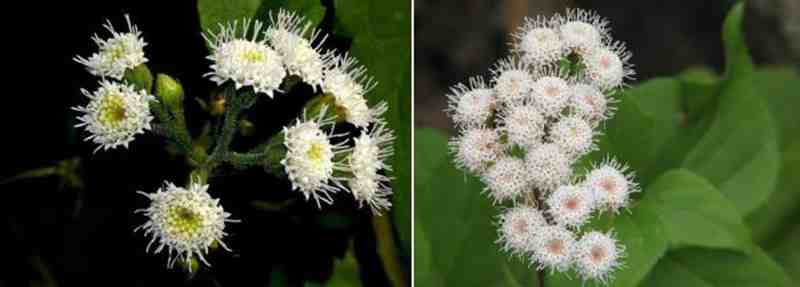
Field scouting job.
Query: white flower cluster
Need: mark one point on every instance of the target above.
(187, 221)
(523, 131)
(250, 55)
(116, 112)
(318, 162)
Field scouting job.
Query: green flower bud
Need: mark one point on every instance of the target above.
(169, 91)
(140, 77)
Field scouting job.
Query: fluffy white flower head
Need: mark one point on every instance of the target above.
(571, 205)
(524, 125)
(574, 135)
(368, 156)
(309, 160)
(537, 42)
(582, 30)
(517, 228)
(608, 67)
(512, 81)
(551, 93)
(548, 166)
(612, 184)
(471, 105)
(238, 54)
(301, 58)
(475, 148)
(506, 179)
(187, 221)
(116, 113)
(589, 103)
(117, 54)
(348, 83)
(553, 247)
(597, 256)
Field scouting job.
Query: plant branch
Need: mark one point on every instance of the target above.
(387, 252)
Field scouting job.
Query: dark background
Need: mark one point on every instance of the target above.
(84, 236)
(457, 39)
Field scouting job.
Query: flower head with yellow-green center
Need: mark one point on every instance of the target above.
(115, 114)
(115, 55)
(187, 221)
(310, 158)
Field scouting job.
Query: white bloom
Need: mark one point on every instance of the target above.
(597, 255)
(476, 148)
(309, 160)
(524, 125)
(571, 205)
(582, 30)
(538, 42)
(115, 114)
(301, 58)
(471, 105)
(186, 221)
(368, 156)
(551, 93)
(553, 247)
(589, 103)
(512, 81)
(608, 67)
(506, 179)
(117, 54)
(548, 166)
(239, 55)
(348, 83)
(518, 227)
(612, 184)
(574, 135)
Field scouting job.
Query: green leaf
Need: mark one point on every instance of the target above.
(708, 268)
(214, 12)
(737, 58)
(645, 243)
(311, 9)
(456, 222)
(739, 153)
(787, 254)
(381, 36)
(769, 223)
(694, 213)
(779, 87)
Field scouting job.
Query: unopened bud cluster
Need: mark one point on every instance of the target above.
(523, 131)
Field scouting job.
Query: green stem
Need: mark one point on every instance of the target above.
(234, 105)
(540, 274)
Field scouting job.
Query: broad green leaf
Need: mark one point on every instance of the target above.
(456, 221)
(711, 268)
(786, 252)
(779, 87)
(381, 35)
(694, 213)
(769, 223)
(312, 10)
(739, 152)
(214, 12)
(737, 58)
(641, 233)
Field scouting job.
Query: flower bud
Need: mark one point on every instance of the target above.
(169, 91)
